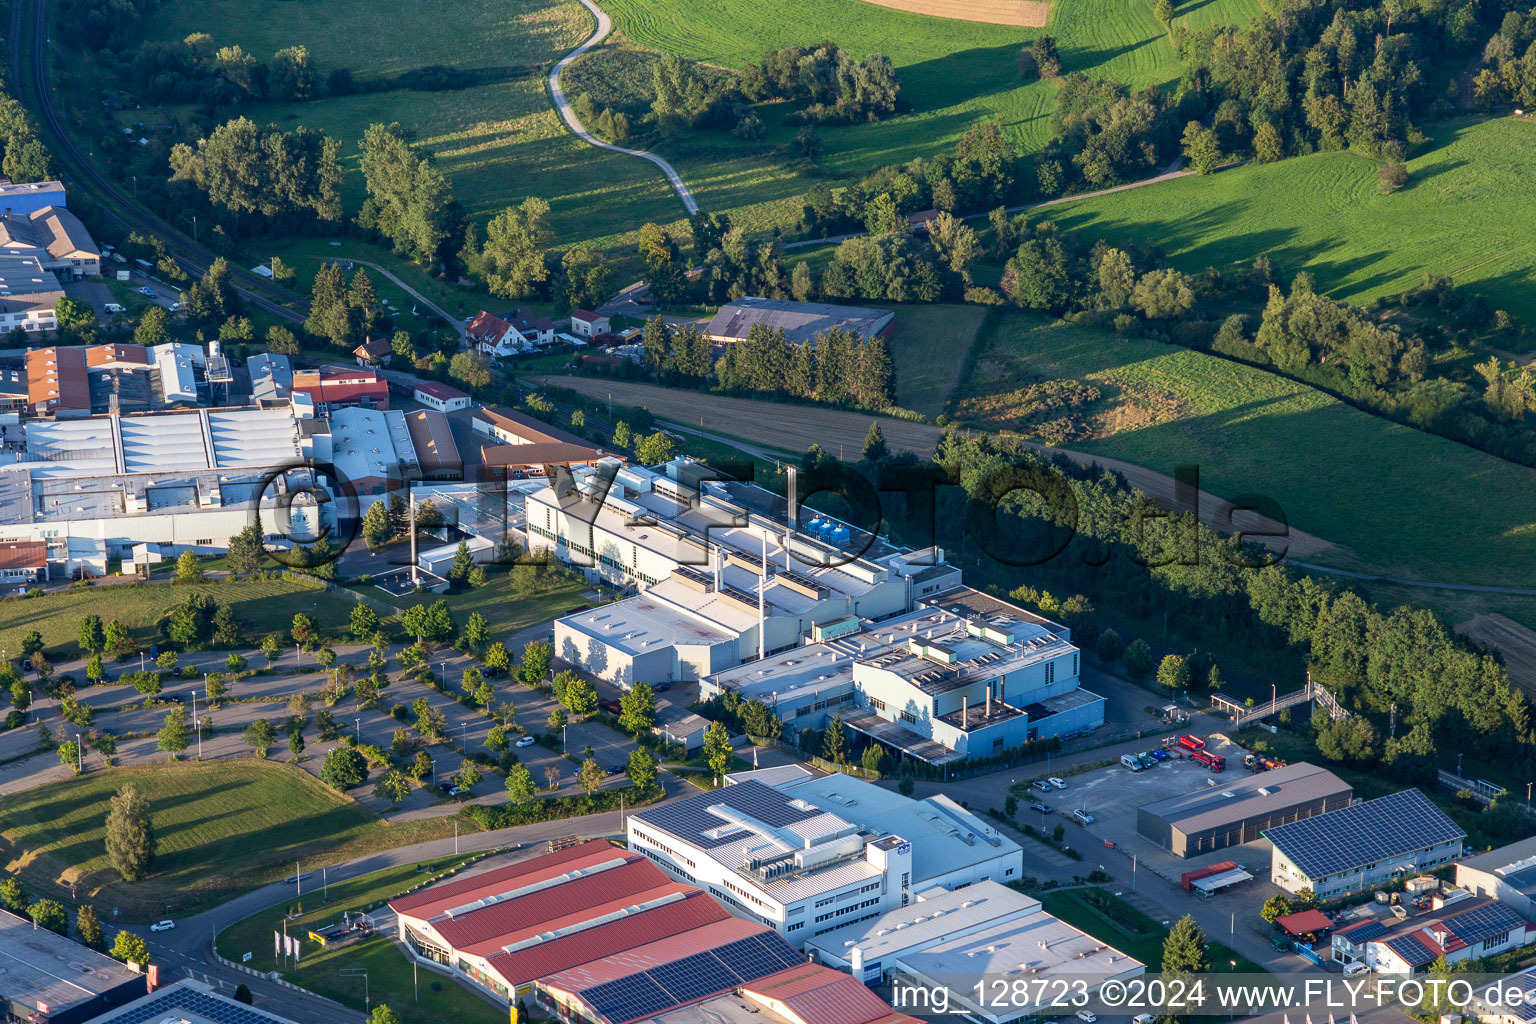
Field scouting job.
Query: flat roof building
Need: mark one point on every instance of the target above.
(801, 322)
(188, 1002)
(1508, 874)
(1234, 813)
(342, 387)
(811, 854)
(52, 976)
(271, 378)
(30, 196)
(1356, 848)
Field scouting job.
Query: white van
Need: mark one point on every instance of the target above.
(1129, 761)
(1355, 967)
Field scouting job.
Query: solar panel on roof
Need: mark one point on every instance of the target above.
(628, 998)
(1479, 923)
(690, 819)
(694, 977)
(1363, 833)
(217, 1010)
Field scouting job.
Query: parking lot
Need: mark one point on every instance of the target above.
(1113, 795)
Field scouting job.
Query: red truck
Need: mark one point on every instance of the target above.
(1191, 742)
(1214, 762)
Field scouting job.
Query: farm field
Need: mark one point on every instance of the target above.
(1462, 215)
(1405, 502)
(260, 606)
(929, 349)
(498, 141)
(953, 73)
(222, 827)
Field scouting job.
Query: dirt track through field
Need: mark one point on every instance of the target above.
(794, 428)
(1515, 642)
(1020, 13)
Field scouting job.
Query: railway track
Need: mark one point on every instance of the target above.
(120, 209)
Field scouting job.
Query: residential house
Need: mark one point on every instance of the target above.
(510, 333)
(374, 352)
(440, 396)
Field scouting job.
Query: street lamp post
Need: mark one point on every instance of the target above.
(360, 972)
(79, 756)
(358, 726)
(198, 725)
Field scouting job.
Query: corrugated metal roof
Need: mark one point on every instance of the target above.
(550, 958)
(820, 994)
(584, 918)
(500, 919)
(435, 899)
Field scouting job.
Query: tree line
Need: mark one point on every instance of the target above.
(1131, 560)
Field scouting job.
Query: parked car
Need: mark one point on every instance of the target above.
(175, 307)
(1041, 785)
(116, 307)
(1143, 1018)
(1082, 817)
(147, 290)
(661, 687)
(1057, 783)
(1087, 1016)
(1042, 808)
(526, 741)
(162, 926)
(456, 791)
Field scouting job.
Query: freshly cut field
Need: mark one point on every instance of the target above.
(1398, 501)
(222, 827)
(929, 349)
(1514, 642)
(1463, 214)
(1022, 13)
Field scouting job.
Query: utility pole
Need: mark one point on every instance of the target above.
(198, 725)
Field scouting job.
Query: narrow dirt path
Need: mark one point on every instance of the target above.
(782, 427)
(604, 26)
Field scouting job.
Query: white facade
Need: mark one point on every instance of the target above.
(442, 403)
(851, 851)
(1508, 874)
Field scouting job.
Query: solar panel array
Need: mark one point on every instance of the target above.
(690, 819)
(1410, 950)
(692, 978)
(1365, 932)
(220, 1011)
(1479, 923)
(1363, 833)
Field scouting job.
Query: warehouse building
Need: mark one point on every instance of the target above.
(1356, 848)
(47, 977)
(598, 933)
(1214, 819)
(1507, 874)
(800, 321)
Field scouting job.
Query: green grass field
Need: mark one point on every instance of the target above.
(498, 141)
(1403, 501)
(1460, 215)
(929, 349)
(504, 610)
(261, 607)
(953, 74)
(222, 827)
(389, 975)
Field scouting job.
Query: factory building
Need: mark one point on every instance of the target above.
(1212, 819)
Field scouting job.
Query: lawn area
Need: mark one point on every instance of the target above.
(222, 828)
(506, 610)
(361, 894)
(929, 349)
(1110, 919)
(1403, 501)
(1460, 215)
(260, 606)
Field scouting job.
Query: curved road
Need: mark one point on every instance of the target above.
(118, 208)
(189, 948)
(604, 26)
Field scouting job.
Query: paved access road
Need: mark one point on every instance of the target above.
(604, 26)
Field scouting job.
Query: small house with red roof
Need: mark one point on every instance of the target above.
(587, 324)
